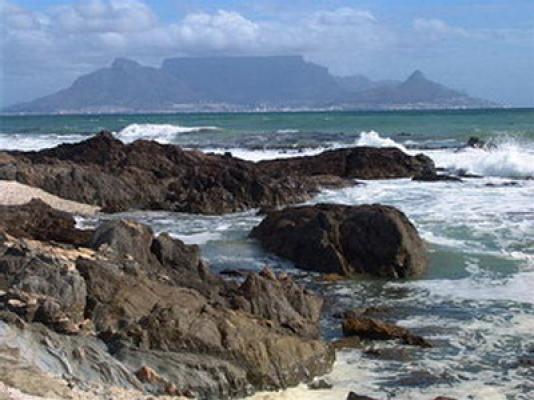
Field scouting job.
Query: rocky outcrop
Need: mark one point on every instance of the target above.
(370, 239)
(105, 172)
(37, 220)
(141, 312)
(357, 162)
(373, 329)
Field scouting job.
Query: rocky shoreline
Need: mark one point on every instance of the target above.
(118, 308)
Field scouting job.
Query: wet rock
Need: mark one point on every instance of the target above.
(354, 396)
(476, 142)
(371, 239)
(390, 354)
(357, 162)
(431, 176)
(353, 342)
(372, 329)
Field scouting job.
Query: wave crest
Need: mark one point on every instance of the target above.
(507, 158)
(159, 132)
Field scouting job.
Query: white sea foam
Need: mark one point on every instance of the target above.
(289, 130)
(373, 139)
(264, 154)
(507, 159)
(160, 132)
(28, 142)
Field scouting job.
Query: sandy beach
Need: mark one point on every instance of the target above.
(14, 193)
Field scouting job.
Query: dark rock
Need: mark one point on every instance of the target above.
(282, 302)
(433, 177)
(37, 220)
(372, 329)
(147, 175)
(357, 162)
(354, 396)
(476, 142)
(372, 239)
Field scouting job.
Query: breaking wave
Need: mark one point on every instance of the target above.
(159, 132)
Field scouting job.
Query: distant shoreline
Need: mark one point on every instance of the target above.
(293, 111)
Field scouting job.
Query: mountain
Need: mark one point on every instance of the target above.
(239, 84)
(416, 92)
(359, 83)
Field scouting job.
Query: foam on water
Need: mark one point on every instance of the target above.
(506, 159)
(160, 132)
(28, 142)
(373, 139)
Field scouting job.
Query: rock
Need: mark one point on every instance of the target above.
(331, 278)
(354, 396)
(192, 332)
(147, 175)
(37, 220)
(148, 375)
(346, 240)
(372, 329)
(476, 142)
(357, 162)
(282, 302)
(431, 176)
(105, 172)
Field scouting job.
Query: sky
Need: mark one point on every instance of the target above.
(484, 47)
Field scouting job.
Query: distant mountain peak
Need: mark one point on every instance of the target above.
(237, 84)
(417, 75)
(124, 63)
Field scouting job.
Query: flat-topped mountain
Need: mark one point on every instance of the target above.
(239, 84)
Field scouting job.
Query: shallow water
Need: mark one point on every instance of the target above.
(476, 304)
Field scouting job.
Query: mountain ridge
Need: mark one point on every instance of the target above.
(268, 83)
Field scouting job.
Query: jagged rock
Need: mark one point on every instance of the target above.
(147, 175)
(357, 162)
(281, 301)
(368, 328)
(145, 301)
(37, 220)
(372, 239)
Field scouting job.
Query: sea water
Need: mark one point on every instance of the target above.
(476, 303)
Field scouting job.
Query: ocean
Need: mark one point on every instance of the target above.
(476, 303)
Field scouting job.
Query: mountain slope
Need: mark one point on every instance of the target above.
(416, 92)
(237, 84)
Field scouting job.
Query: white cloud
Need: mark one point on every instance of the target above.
(438, 29)
(105, 16)
(16, 18)
(222, 30)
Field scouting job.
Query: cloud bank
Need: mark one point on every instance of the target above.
(44, 50)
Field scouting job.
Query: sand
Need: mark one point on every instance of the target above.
(14, 193)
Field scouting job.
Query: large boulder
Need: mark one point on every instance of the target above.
(370, 239)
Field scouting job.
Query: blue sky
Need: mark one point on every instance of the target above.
(483, 47)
